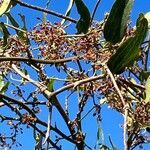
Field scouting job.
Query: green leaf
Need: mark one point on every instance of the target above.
(129, 51)
(50, 84)
(1, 82)
(147, 16)
(116, 24)
(104, 147)
(147, 90)
(144, 75)
(3, 86)
(45, 14)
(85, 19)
(98, 134)
(21, 35)
(4, 6)
(68, 10)
(13, 21)
(113, 146)
(5, 33)
(38, 139)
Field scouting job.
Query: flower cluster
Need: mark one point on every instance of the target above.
(15, 48)
(27, 119)
(50, 39)
(142, 113)
(54, 43)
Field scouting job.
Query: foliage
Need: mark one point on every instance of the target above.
(46, 69)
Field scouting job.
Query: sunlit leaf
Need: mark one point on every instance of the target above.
(22, 35)
(1, 82)
(147, 90)
(50, 85)
(104, 147)
(147, 16)
(68, 10)
(4, 6)
(3, 86)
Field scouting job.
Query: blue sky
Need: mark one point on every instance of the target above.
(112, 120)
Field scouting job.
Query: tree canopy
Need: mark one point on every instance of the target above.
(56, 76)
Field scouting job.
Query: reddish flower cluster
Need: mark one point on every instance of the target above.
(15, 48)
(50, 39)
(27, 119)
(142, 113)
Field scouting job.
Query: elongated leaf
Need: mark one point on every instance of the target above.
(5, 33)
(104, 147)
(144, 75)
(1, 82)
(4, 88)
(22, 35)
(4, 6)
(85, 19)
(116, 23)
(68, 10)
(13, 21)
(147, 16)
(113, 146)
(50, 85)
(38, 139)
(129, 51)
(45, 14)
(147, 90)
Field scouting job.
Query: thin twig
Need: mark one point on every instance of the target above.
(75, 84)
(26, 77)
(40, 61)
(45, 10)
(115, 84)
(20, 103)
(87, 113)
(13, 27)
(48, 124)
(46, 93)
(125, 127)
(43, 134)
(126, 107)
(95, 9)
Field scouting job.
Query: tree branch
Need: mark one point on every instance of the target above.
(95, 9)
(45, 10)
(75, 84)
(20, 103)
(52, 99)
(126, 108)
(40, 61)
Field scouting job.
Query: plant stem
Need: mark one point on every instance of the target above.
(45, 10)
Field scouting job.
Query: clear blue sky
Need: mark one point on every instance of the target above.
(112, 121)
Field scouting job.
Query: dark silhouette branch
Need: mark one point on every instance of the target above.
(24, 106)
(45, 10)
